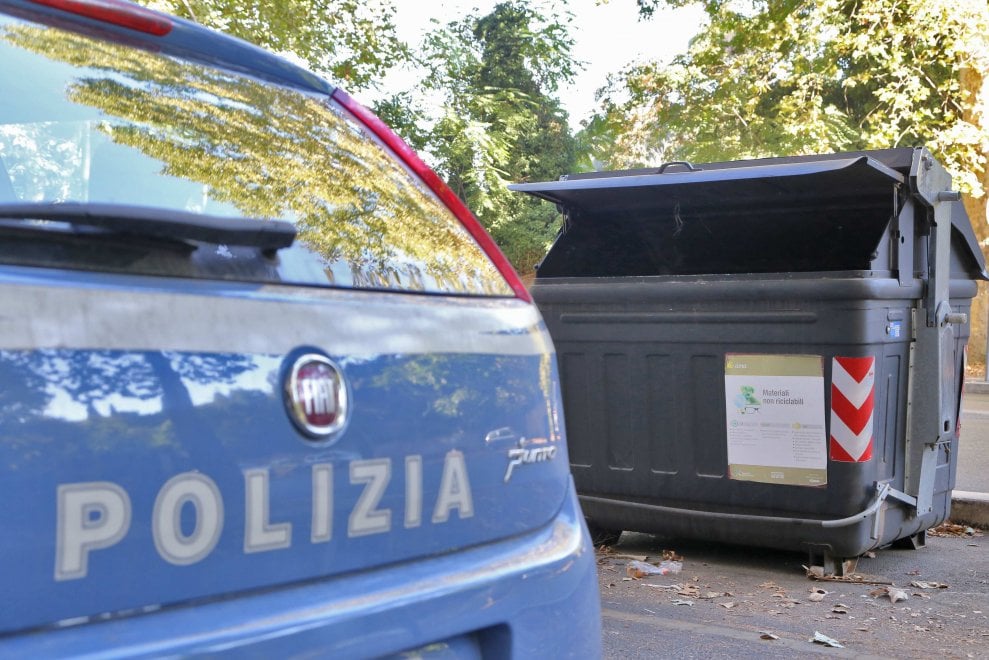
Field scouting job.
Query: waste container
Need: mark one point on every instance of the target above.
(767, 352)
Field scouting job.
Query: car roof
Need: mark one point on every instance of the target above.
(186, 40)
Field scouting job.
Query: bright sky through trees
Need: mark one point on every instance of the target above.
(608, 37)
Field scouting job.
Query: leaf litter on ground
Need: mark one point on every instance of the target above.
(951, 529)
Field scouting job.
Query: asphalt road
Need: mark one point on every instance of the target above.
(726, 596)
(973, 447)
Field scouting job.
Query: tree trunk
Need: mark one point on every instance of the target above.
(974, 81)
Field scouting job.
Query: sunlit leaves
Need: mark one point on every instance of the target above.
(352, 41)
(776, 78)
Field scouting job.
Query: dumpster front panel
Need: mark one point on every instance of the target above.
(645, 399)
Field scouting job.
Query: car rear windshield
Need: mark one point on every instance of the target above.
(89, 121)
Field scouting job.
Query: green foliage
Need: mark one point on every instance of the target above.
(498, 124)
(776, 77)
(352, 41)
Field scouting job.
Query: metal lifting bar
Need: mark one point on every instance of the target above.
(931, 404)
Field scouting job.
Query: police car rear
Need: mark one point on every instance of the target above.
(265, 384)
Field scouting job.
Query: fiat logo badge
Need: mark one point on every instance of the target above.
(316, 396)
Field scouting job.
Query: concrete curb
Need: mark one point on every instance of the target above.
(970, 508)
(977, 386)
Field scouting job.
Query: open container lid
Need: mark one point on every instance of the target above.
(809, 213)
(786, 184)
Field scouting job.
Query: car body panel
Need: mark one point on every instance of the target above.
(89, 405)
(534, 595)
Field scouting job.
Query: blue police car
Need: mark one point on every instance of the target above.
(266, 386)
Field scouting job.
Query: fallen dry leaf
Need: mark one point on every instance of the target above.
(839, 609)
(870, 555)
(768, 635)
(817, 595)
(690, 591)
(814, 571)
(727, 606)
(895, 595)
(827, 641)
(928, 585)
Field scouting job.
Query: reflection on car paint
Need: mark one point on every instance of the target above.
(232, 145)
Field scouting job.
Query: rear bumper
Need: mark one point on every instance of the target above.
(531, 596)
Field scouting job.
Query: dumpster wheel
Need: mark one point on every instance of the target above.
(913, 542)
(820, 557)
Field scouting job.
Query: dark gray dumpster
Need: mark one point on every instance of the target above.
(766, 352)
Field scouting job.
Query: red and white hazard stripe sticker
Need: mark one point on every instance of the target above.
(853, 400)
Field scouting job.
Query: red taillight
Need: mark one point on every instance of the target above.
(447, 196)
(117, 12)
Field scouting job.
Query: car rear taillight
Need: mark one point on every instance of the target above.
(116, 12)
(447, 196)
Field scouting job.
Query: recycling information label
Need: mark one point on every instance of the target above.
(774, 407)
